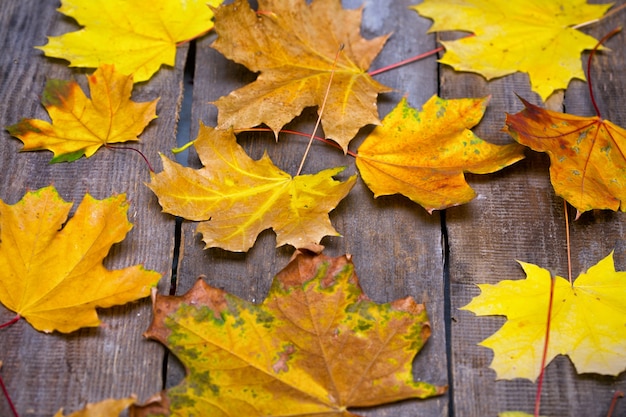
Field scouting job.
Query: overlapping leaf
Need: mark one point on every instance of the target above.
(137, 36)
(80, 126)
(55, 278)
(316, 346)
(536, 36)
(587, 155)
(423, 154)
(106, 408)
(588, 320)
(293, 45)
(236, 197)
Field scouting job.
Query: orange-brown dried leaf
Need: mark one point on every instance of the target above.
(316, 346)
(423, 154)
(81, 125)
(587, 155)
(52, 272)
(106, 408)
(293, 46)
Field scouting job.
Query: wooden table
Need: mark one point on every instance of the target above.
(398, 248)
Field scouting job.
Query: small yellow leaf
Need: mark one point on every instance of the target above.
(52, 274)
(137, 36)
(80, 126)
(534, 37)
(423, 154)
(588, 321)
(236, 197)
(106, 408)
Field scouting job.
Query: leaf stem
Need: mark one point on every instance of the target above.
(618, 394)
(8, 397)
(568, 244)
(544, 356)
(593, 52)
(129, 148)
(10, 322)
(319, 117)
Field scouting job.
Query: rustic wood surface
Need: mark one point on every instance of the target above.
(397, 247)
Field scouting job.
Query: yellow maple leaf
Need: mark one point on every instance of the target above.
(53, 276)
(80, 126)
(536, 37)
(236, 197)
(137, 36)
(423, 154)
(293, 45)
(588, 320)
(107, 408)
(587, 160)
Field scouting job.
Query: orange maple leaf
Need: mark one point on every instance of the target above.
(587, 155)
(80, 126)
(53, 276)
(316, 346)
(423, 154)
(293, 45)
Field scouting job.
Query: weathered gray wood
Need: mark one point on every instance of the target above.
(396, 245)
(518, 217)
(46, 372)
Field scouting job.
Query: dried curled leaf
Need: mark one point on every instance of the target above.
(53, 276)
(293, 45)
(316, 346)
(423, 154)
(80, 126)
(236, 197)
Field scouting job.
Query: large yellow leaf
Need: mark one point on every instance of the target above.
(316, 346)
(53, 276)
(423, 154)
(532, 36)
(236, 197)
(588, 320)
(587, 155)
(293, 45)
(80, 126)
(138, 36)
(106, 408)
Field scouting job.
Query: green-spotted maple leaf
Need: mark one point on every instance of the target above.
(423, 154)
(588, 320)
(80, 125)
(536, 37)
(137, 36)
(316, 346)
(587, 155)
(51, 269)
(293, 46)
(235, 197)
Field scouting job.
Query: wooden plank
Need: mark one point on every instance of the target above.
(517, 216)
(46, 372)
(396, 245)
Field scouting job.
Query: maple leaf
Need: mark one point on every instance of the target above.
(587, 163)
(423, 154)
(137, 36)
(537, 37)
(588, 320)
(106, 408)
(316, 346)
(294, 46)
(236, 197)
(54, 277)
(80, 126)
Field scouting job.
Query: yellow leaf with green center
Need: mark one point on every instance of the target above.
(533, 36)
(236, 197)
(316, 346)
(423, 154)
(52, 272)
(588, 321)
(293, 46)
(137, 36)
(80, 125)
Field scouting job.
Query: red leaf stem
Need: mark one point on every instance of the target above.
(6, 394)
(545, 350)
(10, 322)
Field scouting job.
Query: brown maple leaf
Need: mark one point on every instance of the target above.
(293, 45)
(316, 346)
